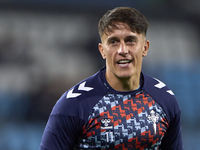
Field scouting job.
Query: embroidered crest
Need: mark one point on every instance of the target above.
(154, 118)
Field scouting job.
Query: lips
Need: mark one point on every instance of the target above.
(124, 61)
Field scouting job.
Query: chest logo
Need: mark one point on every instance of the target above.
(105, 123)
(154, 118)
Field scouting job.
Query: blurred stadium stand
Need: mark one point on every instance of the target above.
(48, 46)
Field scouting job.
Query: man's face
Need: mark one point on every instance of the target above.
(123, 51)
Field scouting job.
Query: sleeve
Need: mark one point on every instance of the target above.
(173, 137)
(61, 133)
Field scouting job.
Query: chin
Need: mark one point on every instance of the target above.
(126, 72)
(125, 75)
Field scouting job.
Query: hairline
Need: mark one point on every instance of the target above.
(112, 25)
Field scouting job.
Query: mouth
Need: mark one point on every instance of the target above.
(124, 62)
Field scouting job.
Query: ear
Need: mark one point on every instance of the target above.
(101, 50)
(146, 48)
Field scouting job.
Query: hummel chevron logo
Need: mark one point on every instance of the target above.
(170, 92)
(70, 94)
(160, 85)
(81, 87)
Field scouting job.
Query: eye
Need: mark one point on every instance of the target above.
(130, 40)
(113, 42)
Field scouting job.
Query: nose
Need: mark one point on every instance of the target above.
(123, 49)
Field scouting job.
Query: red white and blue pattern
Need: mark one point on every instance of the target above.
(120, 122)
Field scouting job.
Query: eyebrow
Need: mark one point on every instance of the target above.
(127, 37)
(112, 38)
(132, 37)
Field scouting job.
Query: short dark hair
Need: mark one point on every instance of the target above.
(132, 17)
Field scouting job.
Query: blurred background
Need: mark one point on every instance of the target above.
(48, 46)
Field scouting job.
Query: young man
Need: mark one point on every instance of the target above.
(119, 107)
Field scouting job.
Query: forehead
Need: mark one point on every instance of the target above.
(117, 26)
(119, 29)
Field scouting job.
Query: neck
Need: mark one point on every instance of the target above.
(124, 84)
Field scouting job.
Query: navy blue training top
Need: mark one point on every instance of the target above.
(92, 115)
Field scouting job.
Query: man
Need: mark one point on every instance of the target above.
(119, 107)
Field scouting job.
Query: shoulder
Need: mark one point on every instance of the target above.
(87, 88)
(78, 99)
(162, 94)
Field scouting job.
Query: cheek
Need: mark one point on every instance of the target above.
(138, 56)
(110, 58)
(108, 53)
